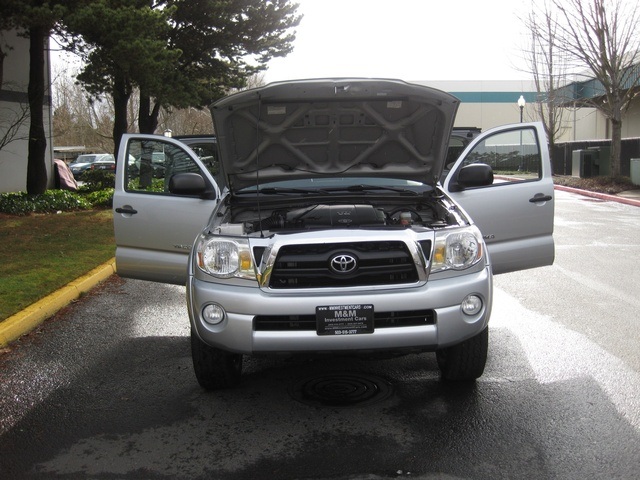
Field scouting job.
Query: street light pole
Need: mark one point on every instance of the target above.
(521, 103)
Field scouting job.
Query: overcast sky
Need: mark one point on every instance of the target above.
(407, 39)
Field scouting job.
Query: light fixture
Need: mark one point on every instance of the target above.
(521, 103)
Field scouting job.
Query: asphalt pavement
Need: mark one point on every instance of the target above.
(28, 319)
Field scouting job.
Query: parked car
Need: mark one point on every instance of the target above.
(83, 163)
(107, 163)
(328, 230)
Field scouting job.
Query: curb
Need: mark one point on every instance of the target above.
(601, 196)
(23, 322)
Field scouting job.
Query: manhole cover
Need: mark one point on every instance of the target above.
(341, 389)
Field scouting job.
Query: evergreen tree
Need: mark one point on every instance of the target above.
(35, 20)
(181, 53)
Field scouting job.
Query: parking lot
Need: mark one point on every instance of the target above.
(106, 390)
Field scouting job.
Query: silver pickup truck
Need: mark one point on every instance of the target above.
(328, 227)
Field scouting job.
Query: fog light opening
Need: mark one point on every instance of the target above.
(213, 314)
(471, 305)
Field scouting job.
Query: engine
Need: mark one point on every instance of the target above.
(247, 221)
(323, 216)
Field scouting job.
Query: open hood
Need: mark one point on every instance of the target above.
(334, 127)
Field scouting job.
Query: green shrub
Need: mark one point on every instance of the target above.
(15, 204)
(48, 202)
(101, 198)
(157, 185)
(95, 180)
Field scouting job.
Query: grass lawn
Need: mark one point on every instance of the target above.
(41, 253)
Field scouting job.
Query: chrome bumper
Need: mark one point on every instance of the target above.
(236, 332)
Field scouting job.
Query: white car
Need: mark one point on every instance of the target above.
(329, 232)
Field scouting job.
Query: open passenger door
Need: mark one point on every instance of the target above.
(515, 212)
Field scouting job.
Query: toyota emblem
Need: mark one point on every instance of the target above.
(343, 263)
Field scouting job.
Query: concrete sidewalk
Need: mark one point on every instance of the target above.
(23, 322)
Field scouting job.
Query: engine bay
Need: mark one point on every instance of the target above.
(432, 214)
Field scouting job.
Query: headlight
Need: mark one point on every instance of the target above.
(457, 249)
(225, 258)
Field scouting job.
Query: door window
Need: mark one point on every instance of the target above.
(152, 163)
(208, 154)
(513, 156)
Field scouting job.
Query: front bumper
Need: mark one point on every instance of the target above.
(236, 333)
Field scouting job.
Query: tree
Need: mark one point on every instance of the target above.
(188, 53)
(78, 119)
(3, 55)
(548, 66)
(123, 45)
(11, 119)
(604, 37)
(217, 41)
(35, 20)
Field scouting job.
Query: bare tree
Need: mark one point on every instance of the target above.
(12, 121)
(81, 119)
(78, 118)
(548, 67)
(195, 121)
(185, 121)
(604, 37)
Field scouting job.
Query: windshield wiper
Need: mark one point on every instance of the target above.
(284, 191)
(368, 188)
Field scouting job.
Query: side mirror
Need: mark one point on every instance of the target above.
(475, 175)
(188, 184)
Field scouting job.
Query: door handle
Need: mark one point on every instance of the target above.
(128, 210)
(540, 197)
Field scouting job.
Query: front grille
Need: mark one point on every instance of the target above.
(309, 266)
(410, 318)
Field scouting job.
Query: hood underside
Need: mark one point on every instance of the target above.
(334, 127)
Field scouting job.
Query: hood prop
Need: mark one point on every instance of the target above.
(258, 163)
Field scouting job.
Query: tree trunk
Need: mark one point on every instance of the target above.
(552, 147)
(616, 147)
(121, 94)
(2, 56)
(36, 166)
(147, 118)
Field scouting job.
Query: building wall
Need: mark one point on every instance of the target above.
(631, 125)
(13, 101)
(489, 103)
(590, 124)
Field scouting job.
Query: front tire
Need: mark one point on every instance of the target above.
(465, 361)
(214, 368)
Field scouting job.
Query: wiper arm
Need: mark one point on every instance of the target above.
(367, 188)
(284, 191)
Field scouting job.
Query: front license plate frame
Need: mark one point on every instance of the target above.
(347, 319)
